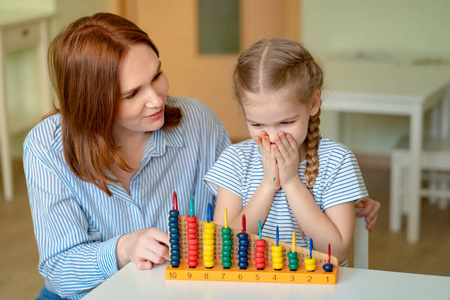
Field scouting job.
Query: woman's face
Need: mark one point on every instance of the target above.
(143, 89)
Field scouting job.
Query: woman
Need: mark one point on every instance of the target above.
(102, 168)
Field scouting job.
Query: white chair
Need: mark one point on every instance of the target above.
(361, 245)
(435, 166)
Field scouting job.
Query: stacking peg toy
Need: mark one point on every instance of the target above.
(328, 267)
(310, 263)
(292, 255)
(174, 233)
(192, 236)
(243, 246)
(238, 255)
(277, 254)
(227, 244)
(208, 240)
(260, 250)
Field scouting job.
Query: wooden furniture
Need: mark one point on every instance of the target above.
(383, 87)
(361, 245)
(131, 283)
(20, 29)
(435, 161)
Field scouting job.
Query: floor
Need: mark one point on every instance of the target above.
(19, 277)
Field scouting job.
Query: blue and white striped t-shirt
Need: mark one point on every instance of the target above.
(239, 169)
(77, 225)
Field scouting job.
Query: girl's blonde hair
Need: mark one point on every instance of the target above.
(273, 64)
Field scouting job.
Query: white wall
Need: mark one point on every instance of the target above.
(22, 75)
(398, 27)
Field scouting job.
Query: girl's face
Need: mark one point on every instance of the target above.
(279, 112)
(143, 89)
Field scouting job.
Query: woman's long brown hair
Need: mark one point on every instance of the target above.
(84, 62)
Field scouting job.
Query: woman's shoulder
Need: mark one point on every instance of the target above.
(46, 133)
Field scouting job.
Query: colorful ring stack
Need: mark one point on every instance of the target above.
(192, 236)
(243, 250)
(208, 240)
(260, 254)
(174, 238)
(227, 247)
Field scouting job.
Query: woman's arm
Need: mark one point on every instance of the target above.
(69, 257)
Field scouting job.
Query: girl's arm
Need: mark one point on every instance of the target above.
(259, 204)
(335, 226)
(256, 209)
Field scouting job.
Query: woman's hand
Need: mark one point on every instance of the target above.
(369, 210)
(271, 177)
(144, 247)
(287, 157)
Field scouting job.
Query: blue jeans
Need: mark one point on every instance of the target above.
(45, 294)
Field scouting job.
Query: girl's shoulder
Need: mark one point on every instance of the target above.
(245, 151)
(334, 155)
(247, 147)
(328, 147)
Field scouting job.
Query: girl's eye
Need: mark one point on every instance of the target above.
(256, 125)
(132, 95)
(287, 123)
(157, 76)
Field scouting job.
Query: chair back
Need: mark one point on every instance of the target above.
(361, 245)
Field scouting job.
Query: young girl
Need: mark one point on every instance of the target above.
(288, 175)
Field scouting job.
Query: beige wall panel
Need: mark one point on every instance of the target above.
(173, 26)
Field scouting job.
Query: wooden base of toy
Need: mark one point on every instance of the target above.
(251, 274)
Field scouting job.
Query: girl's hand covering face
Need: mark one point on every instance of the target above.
(287, 157)
(271, 177)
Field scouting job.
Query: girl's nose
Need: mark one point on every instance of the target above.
(272, 135)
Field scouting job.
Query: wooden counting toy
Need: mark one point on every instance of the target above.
(210, 252)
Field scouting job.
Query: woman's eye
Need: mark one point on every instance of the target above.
(157, 76)
(132, 95)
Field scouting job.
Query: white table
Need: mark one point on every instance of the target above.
(131, 283)
(383, 87)
(20, 29)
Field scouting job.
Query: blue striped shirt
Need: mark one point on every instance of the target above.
(77, 225)
(239, 169)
